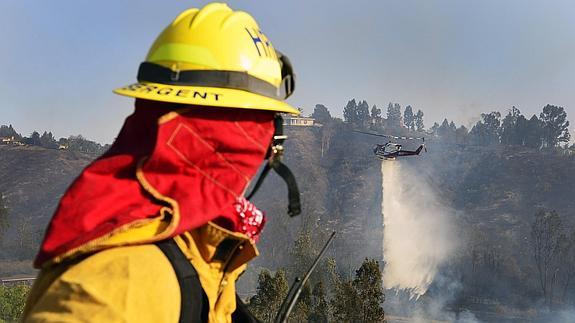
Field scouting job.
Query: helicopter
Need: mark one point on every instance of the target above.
(391, 150)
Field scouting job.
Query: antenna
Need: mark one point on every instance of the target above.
(296, 288)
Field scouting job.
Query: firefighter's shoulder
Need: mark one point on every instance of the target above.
(110, 286)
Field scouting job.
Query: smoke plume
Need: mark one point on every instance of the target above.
(419, 236)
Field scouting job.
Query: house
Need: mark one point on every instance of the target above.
(10, 141)
(6, 140)
(299, 121)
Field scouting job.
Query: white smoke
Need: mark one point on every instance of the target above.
(445, 291)
(419, 235)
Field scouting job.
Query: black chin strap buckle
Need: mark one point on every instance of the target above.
(277, 148)
(276, 151)
(275, 155)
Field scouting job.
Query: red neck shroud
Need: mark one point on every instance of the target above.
(200, 157)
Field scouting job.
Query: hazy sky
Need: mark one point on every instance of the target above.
(61, 59)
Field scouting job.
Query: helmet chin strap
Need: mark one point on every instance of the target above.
(274, 156)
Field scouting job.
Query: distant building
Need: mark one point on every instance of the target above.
(299, 121)
(10, 141)
(63, 146)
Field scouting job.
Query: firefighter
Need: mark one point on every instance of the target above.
(159, 228)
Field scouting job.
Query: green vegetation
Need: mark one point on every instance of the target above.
(9, 132)
(12, 298)
(12, 302)
(495, 175)
(357, 300)
(47, 140)
(553, 244)
(327, 297)
(549, 130)
(271, 291)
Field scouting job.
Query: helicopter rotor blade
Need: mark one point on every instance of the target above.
(390, 136)
(374, 134)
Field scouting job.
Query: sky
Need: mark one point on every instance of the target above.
(61, 59)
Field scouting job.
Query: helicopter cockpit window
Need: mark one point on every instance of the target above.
(392, 148)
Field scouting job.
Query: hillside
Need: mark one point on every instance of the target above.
(494, 190)
(33, 179)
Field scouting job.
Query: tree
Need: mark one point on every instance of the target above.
(376, 119)
(555, 125)
(452, 127)
(461, 135)
(303, 307)
(434, 128)
(510, 128)
(447, 130)
(360, 299)
(492, 123)
(419, 126)
(375, 113)
(533, 134)
(409, 118)
(327, 132)
(345, 303)
(546, 240)
(9, 132)
(567, 274)
(63, 141)
(363, 117)
(486, 131)
(34, 139)
(302, 254)
(270, 292)
(47, 140)
(394, 116)
(350, 112)
(319, 305)
(321, 114)
(369, 285)
(26, 239)
(79, 143)
(521, 131)
(4, 220)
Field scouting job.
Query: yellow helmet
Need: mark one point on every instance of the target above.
(215, 57)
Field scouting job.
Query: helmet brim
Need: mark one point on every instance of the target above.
(205, 96)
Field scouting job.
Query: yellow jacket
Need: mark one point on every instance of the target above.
(138, 284)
